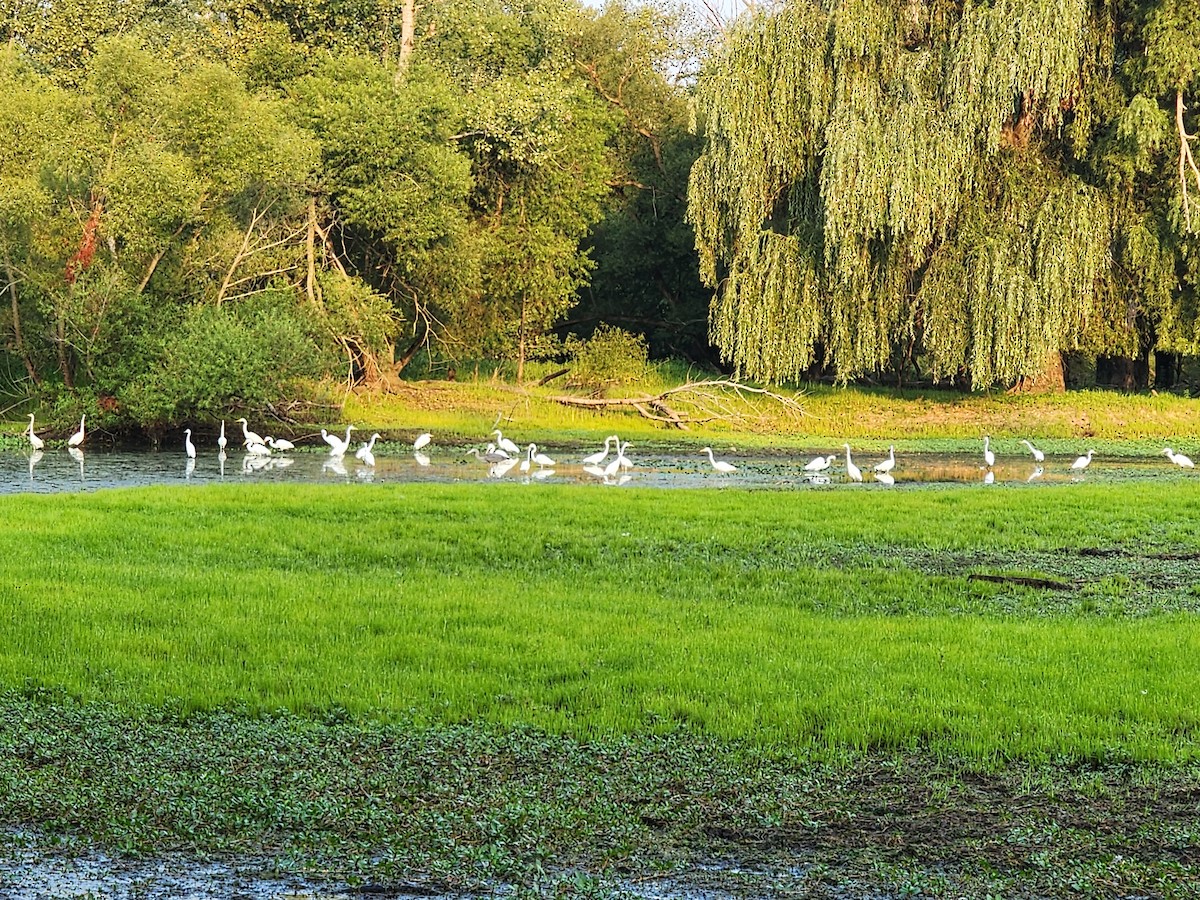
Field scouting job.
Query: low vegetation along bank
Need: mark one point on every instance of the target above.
(590, 685)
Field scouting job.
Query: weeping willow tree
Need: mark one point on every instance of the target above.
(942, 177)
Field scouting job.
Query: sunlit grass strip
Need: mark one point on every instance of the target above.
(587, 610)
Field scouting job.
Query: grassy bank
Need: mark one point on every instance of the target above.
(791, 621)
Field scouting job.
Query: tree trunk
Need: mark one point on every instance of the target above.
(521, 344)
(18, 336)
(408, 30)
(1167, 367)
(1116, 372)
(1051, 380)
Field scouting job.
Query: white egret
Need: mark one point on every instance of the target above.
(258, 448)
(1082, 462)
(719, 464)
(422, 440)
(188, 447)
(77, 438)
(364, 452)
(540, 458)
(596, 458)
(853, 472)
(222, 442)
(1179, 459)
(820, 464)
(500, 469)
(34, 441)
(248, 436)
(988, 456)
(613, 467)
(888, 464)
(505, 444)
(279, 443)
(337, 446)
(1038, 455)
(527, 462)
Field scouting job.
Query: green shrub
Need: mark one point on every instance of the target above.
(610, 357)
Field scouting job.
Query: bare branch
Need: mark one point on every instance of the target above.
(1186, 160)
(693, 403)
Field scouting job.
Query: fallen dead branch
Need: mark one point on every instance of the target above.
(1048, 583)
(694, 403)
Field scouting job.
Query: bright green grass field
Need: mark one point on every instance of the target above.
(795, 619)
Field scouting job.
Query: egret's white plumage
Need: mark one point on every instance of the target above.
(989, 458)
(188, 447)
(888, 464)
(222, 442)
(77, 438)
(1038, 455)
(719, 464)
(820, 464)
(505, 444)
(1082, 462)
(853, 472)
(540, 458)
(338, 446)
(364, 452)
(249, 437)
(1179, 459)
(598, 457)
(34, 441)
(279, 443)
(422, 440)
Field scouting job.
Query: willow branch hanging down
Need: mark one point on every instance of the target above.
(695, 403)
(1186, 161)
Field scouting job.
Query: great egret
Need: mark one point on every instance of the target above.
(888, 464)
(527, 462)
(500, 469)
(422, 440)
(34, 441)
(188, 447)
(719, 464)
(988, 456)
(222, 443)
(540, 458)
(1179, 459)
(279, 443)
(337, 446)
(77, 438)
(249, 437)
(364, 452)
(596, 458)
(1082, 462)
(258, 448)
(853, 472)
(505, 444)
(1038, 455)
(820, 464)
(619, 460)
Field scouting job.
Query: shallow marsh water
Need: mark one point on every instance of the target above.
(58, 470)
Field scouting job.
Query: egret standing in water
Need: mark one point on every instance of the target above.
(364, 452)
(853, 472)
(1179, 459)
(505, 444)
(888, 464)
(249, 436)
(989, 457)
(77, 438)
(719, 464)
(599, 456)
(1082, 462)
(337, 446)
(188, 447)
(279, 443)
(1038, 455)
(820, 464)
(34, 441)
(422, 440)
(222, 443)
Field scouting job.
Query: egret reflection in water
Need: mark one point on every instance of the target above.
(77, 455)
